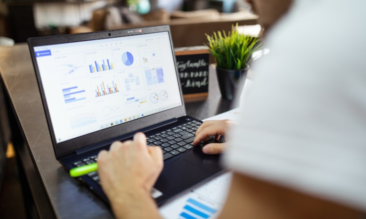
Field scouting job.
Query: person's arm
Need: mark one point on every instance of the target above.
(127, 173)
(253, 198)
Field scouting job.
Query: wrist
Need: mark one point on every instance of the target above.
(127, 202)
(125, 192)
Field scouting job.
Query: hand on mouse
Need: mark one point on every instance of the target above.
(215, 128)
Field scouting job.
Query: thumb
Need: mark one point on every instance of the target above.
(215, 148)
(157, 155)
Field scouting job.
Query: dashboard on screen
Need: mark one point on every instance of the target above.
(94, 85)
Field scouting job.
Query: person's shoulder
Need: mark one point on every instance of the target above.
(320, 24)
(318, 39)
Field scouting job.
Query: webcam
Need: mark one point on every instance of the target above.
(109, 34)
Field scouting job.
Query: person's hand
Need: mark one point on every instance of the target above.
(215, 128)
(128, 167)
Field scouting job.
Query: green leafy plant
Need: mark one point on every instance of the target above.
(232, 51)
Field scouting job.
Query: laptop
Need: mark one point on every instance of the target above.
(102, 87)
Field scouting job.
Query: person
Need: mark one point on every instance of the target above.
(299, 149)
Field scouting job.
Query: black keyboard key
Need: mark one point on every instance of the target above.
(90, 161)
(167, 156)
(157, 138)
(177, 130)
(174, 152)
(96, 178)
(164, 135)
(186, 135)
(168, 149)
(164, 140)
(86, 159)
(171, 133)
(175, 146)
(181, 143)
(188, 146)
(177, 135)
(157, 143)
(189, 140)
(181, 150)
(178, 139)
(92, 174)
(165, 145)
(172, 142)
(78, 163)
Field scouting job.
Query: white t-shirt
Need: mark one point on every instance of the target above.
(304, 118)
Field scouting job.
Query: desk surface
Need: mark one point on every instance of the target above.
(68, 198)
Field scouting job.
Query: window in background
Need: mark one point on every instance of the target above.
(170, 5)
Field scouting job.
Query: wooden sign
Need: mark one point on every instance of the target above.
(193, 68)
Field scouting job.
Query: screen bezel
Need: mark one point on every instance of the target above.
(70, 146)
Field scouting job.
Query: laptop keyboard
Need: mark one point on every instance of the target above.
(173, 142)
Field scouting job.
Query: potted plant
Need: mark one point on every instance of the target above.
(232, 53)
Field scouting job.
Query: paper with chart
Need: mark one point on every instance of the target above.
(205, 201)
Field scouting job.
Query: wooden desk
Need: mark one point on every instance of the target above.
(54, 193)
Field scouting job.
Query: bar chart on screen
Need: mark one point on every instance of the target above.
(73, 94)
(104, 89)
(104, 65)
(99, 62)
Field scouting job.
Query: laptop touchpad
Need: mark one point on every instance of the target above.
(178, 174)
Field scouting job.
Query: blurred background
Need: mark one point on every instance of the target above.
(21, 19)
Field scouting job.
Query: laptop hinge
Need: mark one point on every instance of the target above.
(125, 136)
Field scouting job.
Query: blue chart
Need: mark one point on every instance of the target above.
(154, 76)
(195, 209)
(127, 58)
(72, 94)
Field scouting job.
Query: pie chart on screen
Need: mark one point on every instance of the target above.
(127, 58)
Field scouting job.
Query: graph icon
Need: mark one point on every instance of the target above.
(96, 67)
(154, 98)
(195, 209)
(163, 95)
(154, 76)
(127, 58)
(103, 90)
(72, 94)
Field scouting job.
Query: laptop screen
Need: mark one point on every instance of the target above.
(93, 85)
